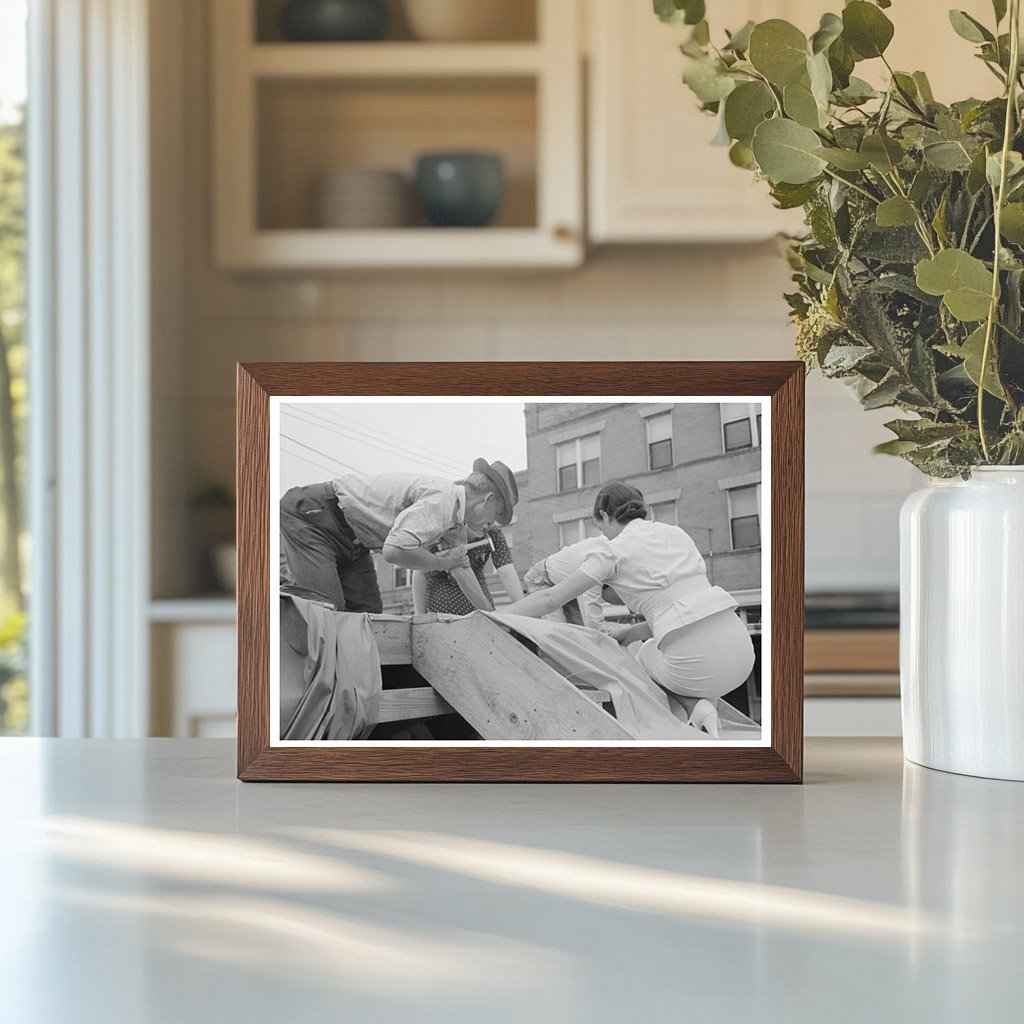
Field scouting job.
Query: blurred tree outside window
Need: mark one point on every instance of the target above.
(14, 703)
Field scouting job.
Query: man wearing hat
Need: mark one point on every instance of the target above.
(329, 530)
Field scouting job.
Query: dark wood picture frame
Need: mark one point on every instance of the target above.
(780, 761)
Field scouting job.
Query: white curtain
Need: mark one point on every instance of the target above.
(88, 319)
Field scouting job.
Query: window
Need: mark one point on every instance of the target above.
(575, 530)
(659, 441)
(14, 540)
(578, 463)
(745, 517)
(664, 512)
(402, 578)
(741, 426)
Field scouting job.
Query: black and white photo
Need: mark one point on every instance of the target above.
(565, 571)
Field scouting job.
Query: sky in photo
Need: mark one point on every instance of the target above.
(320, 440)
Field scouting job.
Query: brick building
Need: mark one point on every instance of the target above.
(698, 466)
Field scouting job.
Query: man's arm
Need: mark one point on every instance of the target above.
(421, 558)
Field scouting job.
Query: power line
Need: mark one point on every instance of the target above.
(314, 420)
(328, 410)
(316, 451)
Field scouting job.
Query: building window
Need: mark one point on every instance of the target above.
(578, 463)
(745, 517)
(664, 512)
(575, 530)
(402, 578)
(741, 426)
(659, 441)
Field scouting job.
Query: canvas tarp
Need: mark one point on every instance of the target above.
(338, 691)
(591, 658)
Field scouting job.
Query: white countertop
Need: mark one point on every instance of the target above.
(143, 885)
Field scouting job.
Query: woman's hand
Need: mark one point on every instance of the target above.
(618, 631)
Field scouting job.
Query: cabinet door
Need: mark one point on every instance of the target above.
(653, 174)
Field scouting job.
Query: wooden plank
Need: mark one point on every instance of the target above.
(394, 640)
(852, 650)
(412, 702)
(501, 689)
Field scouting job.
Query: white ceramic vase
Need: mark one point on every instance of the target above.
(962, 624)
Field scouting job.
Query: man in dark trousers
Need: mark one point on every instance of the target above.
(329, 530)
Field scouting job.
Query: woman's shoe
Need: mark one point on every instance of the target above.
(705, 716)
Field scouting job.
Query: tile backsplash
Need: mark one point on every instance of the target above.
(717, 302)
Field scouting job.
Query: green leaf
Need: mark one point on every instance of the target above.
(994, 167)
(829, 30)
(778, 50)
(883, 153)
(707, 80)
(971, 352)
(968, 28)
(1012, 223)
(676, 12)
(858, 91)
(841, 60)
(921, 185)
(895, 447)
(885, 394)
(785, 152)
(742, 155)
(939, 220)
(924, 88)
(946, 156)
(976, 173)
(745, 108)
(820, 76)
(800, 105)
(866, 29)
(963, 281)
(739, 41)
(896, 212)
(923, 431)
(844, 159)
(789, 197)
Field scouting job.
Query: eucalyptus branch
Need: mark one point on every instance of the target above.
(1000, 198)
(853, 185)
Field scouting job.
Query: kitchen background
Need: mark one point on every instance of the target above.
(635, 240)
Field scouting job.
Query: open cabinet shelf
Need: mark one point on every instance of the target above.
(286, 114)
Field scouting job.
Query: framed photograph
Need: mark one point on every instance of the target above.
(559, 572)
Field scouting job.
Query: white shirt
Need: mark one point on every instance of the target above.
(561, 565)
(402, 510)
(658, 572)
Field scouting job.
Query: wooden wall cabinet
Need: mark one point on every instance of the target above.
(653, 175)
(286, 112)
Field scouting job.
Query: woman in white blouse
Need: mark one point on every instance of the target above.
(693, 642)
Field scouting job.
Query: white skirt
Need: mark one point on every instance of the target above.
(709, 658)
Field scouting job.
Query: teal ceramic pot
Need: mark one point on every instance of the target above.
(334, 21)
(460, 189)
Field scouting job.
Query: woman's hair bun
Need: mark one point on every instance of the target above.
(630, 510)
(620, 501)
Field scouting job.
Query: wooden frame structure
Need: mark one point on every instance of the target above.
(781, 760)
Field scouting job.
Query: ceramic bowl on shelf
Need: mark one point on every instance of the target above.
(460, 189)
(361, 198)
(331, 21)
(469, 20)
